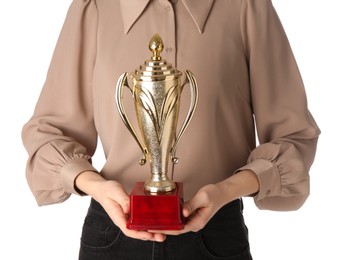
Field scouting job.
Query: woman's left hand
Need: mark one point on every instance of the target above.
(200, 209)
(210, 198)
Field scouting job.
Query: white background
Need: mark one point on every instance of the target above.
(29, 30)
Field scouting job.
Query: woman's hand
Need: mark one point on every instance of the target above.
(114, 199)
(210, 198)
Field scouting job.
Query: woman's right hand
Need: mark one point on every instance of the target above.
(115, 200)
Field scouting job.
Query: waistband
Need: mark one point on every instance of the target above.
(230, 208)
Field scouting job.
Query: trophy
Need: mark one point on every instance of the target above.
(156, 91)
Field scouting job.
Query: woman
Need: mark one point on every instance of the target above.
(247, 77)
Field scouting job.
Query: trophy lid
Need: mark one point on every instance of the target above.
(156, 69)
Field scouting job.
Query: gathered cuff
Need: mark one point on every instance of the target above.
(268, 176)
(71, 170)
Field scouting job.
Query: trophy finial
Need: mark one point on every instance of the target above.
(156, 46)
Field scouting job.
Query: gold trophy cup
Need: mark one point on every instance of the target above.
(156, 90)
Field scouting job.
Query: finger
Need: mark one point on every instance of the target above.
(202, 199)
(195, 221)
(159, 237)
(199, 219)
(143, 235)
(168, 232)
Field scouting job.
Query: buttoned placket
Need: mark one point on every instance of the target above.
(169, 36)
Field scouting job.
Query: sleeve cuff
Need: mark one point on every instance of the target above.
(71, 170)
(268, 176)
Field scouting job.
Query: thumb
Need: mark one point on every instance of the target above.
(122, 198)
(126, 205)
(190, 207)
(124, 201)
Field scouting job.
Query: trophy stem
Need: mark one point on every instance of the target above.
(159, 182)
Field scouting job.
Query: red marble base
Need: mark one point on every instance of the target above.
(156, 212)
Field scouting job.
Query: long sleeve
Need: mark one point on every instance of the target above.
(286, 130)
(60, 137)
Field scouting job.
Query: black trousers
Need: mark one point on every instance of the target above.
(224, 237)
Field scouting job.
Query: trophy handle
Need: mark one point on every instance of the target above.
(121, 83)
(194, 99)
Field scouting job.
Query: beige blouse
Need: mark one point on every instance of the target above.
(247, 79)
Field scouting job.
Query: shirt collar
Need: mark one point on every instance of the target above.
(198, 9)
